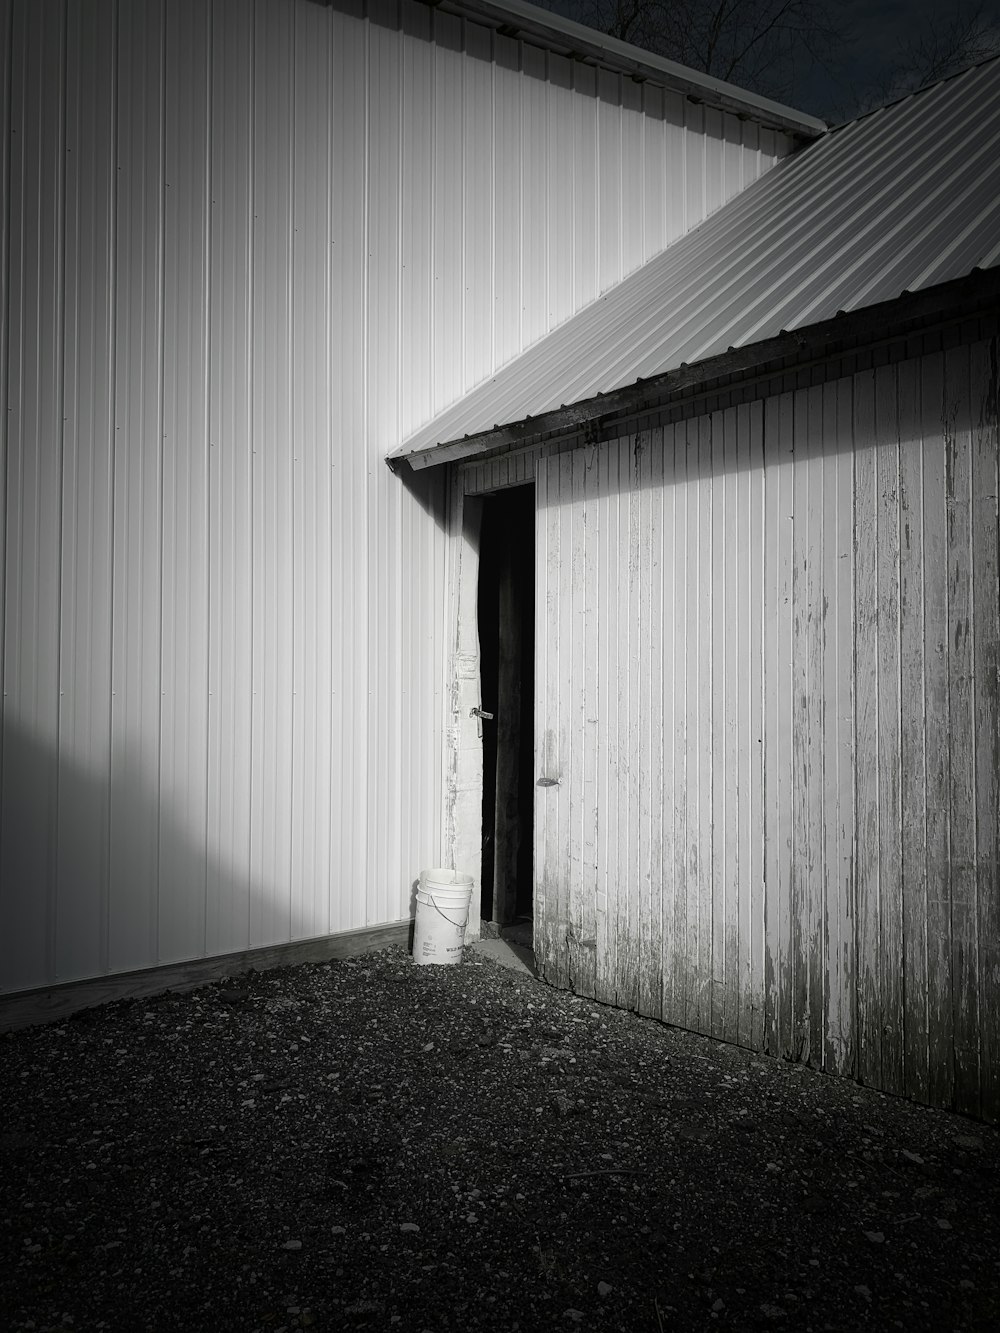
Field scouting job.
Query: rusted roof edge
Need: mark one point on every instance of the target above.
(976, 294)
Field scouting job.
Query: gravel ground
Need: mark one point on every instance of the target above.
(372, 1145)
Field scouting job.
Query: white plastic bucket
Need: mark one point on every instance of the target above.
(443, 899)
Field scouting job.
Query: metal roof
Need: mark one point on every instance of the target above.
(901, 200)
(541, 27)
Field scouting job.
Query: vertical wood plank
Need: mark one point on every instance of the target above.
(734, 748)
(541, 724)
(887, 612)
(784, 684)
(717, 880)
(741, 675)
(803, 607)
(985, 405)
(618, 651)
(778, 773)
(607, 695)
(817, 706)
(940, 1021)
(843, 1026)
(581, 946)
(650, 649)
(560, 688)
(629, 769)
(705, 722)
(962, 734)
(683, 765)
(587, 464)
(830, 918)
(675, 758)
(866, 735)
(913, 768)
(753, 880)
(664, 606)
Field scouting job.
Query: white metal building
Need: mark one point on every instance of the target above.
(251, 249)
(246, 248)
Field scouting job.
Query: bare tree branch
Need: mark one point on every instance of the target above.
(763, 45)
(773, 46)
(945, 43)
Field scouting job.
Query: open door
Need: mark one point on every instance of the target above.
(506, 610)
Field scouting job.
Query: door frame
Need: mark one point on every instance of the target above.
(462, 831)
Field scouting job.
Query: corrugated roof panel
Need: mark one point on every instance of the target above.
(900, 200)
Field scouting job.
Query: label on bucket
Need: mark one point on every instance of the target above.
(431, 950)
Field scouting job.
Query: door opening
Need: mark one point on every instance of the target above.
(506, 610)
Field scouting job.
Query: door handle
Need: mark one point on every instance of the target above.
(480, 714)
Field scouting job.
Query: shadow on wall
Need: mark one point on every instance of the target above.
(428, 487)
(99, 874)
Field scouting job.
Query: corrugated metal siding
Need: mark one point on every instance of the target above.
(768, 688)
(246, 249)
(560, 35)
(906, 198)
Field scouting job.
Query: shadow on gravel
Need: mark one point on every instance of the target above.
(370, 1145)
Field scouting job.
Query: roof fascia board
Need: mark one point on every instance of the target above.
(965, 298)
(574, 40)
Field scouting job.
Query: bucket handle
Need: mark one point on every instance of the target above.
(448, 918)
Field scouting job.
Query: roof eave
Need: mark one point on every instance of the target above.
(575, 41)
(975, 294)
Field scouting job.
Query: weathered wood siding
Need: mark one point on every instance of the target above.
(767, 687)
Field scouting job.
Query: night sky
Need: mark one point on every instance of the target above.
(877, 28)
(874, 31)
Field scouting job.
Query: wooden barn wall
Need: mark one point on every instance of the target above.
(246, 247)
(767, 695)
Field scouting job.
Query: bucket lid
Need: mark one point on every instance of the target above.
(446, 879)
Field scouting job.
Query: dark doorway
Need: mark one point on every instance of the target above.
(507, 667)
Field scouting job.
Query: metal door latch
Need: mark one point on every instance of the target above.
(480, 714)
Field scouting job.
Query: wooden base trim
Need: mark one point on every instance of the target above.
(49, 1004)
